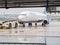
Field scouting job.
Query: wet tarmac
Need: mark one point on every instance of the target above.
(49, 35)
(53, 29)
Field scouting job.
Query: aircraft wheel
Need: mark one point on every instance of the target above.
(10, 25)
(16, 25)
(43, 24)
(45, 21)
(30, 24)
(23, 25)
(35, 23)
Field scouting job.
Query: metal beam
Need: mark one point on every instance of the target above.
(18, 4)
(47, 5)
(29, 6)
(6, 4)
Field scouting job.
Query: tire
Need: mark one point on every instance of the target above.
(23, 25)
(16, 25)
(30, 24)
(43, 24)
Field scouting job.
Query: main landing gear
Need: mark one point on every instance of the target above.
(29, 24)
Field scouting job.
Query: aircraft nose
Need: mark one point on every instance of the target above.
(21, 17)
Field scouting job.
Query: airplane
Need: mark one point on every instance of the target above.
(26, 17)
(32, 17)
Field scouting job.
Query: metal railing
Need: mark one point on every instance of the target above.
(22, 44)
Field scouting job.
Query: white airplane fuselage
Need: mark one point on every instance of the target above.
(29, 17)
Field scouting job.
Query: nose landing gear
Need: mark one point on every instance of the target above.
(44, 23)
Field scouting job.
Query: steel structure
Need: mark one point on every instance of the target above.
(29, 3)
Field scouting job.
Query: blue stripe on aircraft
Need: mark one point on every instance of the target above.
(30, 21)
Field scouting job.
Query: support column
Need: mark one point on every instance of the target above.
(10, 25)
(16, 25)
(47, 5)
(6, 4)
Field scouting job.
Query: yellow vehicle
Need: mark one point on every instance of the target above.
(3, 27)
(0, 26)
